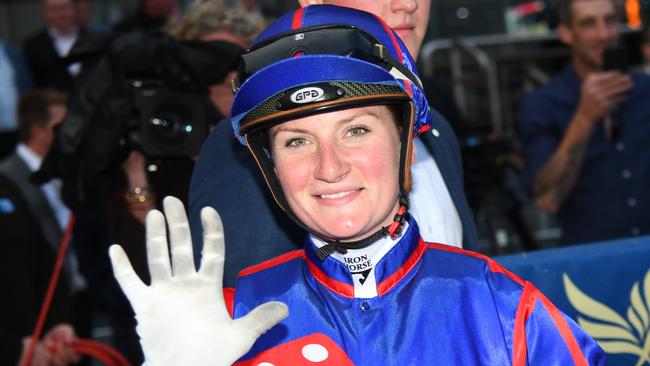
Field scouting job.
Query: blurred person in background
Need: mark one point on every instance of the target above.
(45, 50)
(216, 20)
(151, 15)
(645, 49)
(82, 13)
(139, 182)
(14, 81)
(32, 220)
(230, 184)
(585, 134)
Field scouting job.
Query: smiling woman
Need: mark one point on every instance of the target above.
(339, 170)
(329, 103)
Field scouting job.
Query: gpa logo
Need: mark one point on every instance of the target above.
(307, 95)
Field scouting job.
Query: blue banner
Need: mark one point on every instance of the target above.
(604, 286)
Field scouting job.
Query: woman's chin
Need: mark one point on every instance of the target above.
(343, 232)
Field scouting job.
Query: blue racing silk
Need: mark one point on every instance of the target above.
(436, 305)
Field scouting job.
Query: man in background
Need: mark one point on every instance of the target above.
(46, 49)
(32, 219)
(585, 134)
(151, 15)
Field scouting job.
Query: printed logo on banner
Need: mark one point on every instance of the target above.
(614, 332)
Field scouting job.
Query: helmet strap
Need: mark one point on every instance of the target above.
(393, 230)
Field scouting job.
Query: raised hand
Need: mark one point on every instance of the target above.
(182, 318)
(600, 92)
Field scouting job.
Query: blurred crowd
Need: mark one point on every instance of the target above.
(582, 137)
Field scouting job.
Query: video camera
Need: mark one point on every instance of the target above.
(145, 91)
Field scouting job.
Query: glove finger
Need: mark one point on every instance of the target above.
(157, 252)
(126, 277)
(262, 318)
(213, 254)
(180, 239)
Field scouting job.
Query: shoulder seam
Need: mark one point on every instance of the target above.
(273, 262)
(492, 264)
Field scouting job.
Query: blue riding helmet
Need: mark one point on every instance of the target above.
(319, 59)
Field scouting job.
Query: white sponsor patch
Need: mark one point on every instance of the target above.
(307, 95)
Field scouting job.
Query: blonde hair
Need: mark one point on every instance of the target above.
(205, 17)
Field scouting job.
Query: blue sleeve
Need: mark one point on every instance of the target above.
(552, 338)
(227, 178)
(539, 136)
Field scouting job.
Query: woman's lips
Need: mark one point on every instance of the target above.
(337, 198)
(336, 195)
(404, 30)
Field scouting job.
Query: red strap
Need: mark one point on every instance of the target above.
(56, 272)
(104, 353)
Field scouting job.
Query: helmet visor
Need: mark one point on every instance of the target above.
(340, 40)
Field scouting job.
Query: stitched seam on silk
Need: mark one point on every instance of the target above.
(333, 285)
(272, 262)
(494, 266)
(564, 329)
(524, 309)
(392, 280)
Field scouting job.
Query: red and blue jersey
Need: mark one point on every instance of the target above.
(436, 305)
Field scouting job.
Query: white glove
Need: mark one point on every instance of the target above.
(182, 318)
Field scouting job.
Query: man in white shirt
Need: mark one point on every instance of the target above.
(39, 111)
(33, 237)
(46, 49)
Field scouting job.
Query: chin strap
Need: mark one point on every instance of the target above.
(394, 230)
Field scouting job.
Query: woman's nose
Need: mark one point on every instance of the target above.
(332, 165)
(408, 6)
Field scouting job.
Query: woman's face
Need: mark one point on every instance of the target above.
(340, 170)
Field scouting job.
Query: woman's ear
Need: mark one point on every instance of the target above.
(304, 3)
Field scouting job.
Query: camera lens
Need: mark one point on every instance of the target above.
(171, 123)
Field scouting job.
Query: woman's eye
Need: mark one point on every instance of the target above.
(295, 142)
(357, 131)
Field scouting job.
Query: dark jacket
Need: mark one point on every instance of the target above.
(25, 267)
(45, 65)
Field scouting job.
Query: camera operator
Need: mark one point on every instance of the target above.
(151, 15)
(219, 21)
(136, 120)
(585, 134)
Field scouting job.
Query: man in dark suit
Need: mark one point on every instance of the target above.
(227, 178)
(46, 49)
(31, 230)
